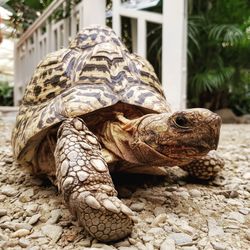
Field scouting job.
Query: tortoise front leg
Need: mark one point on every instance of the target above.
(205, 168)
(84, 180)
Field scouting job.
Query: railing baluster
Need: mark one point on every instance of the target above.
(28, 55)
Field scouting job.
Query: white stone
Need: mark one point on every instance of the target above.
(246, 176)
(213, 229)
(8, 190)
(34, 219)
(20, 233)
(52, 231)
(168, 244)
(181, 238)
(161, 218)
(237, 217)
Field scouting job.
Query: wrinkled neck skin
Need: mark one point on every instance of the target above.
(121, 138)
(163, 139)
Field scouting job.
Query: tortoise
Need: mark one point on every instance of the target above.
(95, 108)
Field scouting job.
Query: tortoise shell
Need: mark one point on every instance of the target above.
(96, 71)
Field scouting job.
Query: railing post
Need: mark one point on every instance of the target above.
(142, 38)
(99, 15)
(174, 49)
(116, 19)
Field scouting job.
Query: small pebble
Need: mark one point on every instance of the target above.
(34, 219)
(247, 234)
(20, 233)
(190, 248)
(26, 195)
(161, 218)
(128, 248)
(3, 237)
(2, 197)
(246, 176)
(218, 245)
(168, 244)
(55, 215)
(195, 193)
(123, 243)
(237, 217)
(102, 246)
(181, 238)
(52, 231)
(8, 190)
(213, 228)
(3, 212)
(22, 226)
(155, 230)
(147, 238)
(159, 210)
(23, 242)
(137, 207)
(85, 243)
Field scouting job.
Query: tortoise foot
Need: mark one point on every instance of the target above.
(105, 217)
(205, 168)
(84, 180)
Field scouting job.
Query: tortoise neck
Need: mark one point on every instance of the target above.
(118, 141)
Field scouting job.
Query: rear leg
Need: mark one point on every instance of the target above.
(205, 168)
(83, 178)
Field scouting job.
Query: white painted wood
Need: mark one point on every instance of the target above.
(116, 19)
(94, 12)
(142, 38)
(56, 36)
(146, 15)
(174, 46)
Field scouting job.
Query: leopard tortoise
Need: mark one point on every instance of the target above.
(94, 108)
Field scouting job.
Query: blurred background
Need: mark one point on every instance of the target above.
(200, 49)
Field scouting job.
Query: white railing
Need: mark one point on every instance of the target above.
(174, 43)
(46, 35)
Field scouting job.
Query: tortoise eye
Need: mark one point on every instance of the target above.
(181, 122)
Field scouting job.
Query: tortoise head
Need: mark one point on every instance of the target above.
(181, 137)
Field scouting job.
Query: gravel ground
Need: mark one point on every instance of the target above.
(173, 213)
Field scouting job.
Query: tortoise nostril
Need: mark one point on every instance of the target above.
(181, 121)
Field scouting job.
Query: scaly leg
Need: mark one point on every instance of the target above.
(83, 178)
(206, 167)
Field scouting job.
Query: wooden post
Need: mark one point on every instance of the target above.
(174, 49)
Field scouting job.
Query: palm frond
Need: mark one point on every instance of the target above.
(195, 24)
(229, 34)
(211, 79)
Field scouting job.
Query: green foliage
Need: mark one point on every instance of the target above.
(218, 53)
(24, 13)
(6, 94)
(219, 49)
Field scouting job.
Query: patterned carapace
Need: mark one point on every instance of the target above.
(96, 71)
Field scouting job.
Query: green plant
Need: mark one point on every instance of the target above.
(219, 49)
(6, 94)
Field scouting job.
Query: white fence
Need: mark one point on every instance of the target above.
(45, 36)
